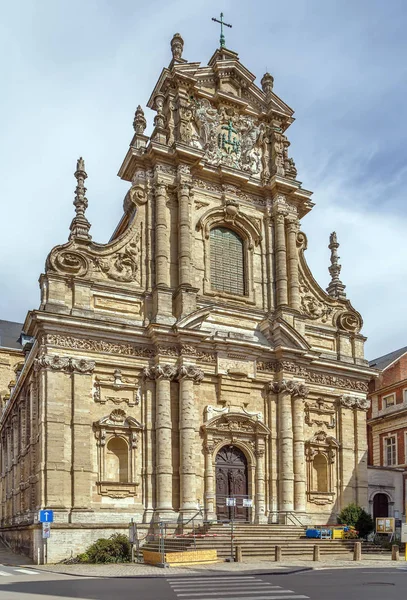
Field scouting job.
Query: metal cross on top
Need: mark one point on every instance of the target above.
(222, 23)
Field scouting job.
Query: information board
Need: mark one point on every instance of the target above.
(385, 525)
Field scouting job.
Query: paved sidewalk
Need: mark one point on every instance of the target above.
(248, 566)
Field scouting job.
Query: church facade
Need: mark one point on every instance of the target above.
(193, 358)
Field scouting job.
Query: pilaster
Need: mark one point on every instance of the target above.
(188, 419)
(162, 294)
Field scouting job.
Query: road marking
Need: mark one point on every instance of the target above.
(268, 597)
(28, 571)
(228, 584)
(216, 578)
(5, 574)
(236, 593)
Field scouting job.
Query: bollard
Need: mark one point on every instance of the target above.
(357, 551)
(277, 551)
(316, 556)
(239, 554)
(395, 552)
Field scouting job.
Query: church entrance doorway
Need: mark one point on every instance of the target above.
(231, 482)
(380, 506)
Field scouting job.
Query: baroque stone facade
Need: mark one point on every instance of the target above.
(193, 357)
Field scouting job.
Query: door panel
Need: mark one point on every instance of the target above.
(231, 481)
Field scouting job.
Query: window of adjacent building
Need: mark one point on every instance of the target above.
(117, 459)
(405, 396)
(405, 448)
(390, 451)
(389, 400)
(320, 475)
(227, 263)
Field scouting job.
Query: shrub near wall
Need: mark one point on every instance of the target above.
(355, 516)
(114, 549)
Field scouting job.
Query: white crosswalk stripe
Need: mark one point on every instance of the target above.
(230, 588)
(27, 571)
(5, 574)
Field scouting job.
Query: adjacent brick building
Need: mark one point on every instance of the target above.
(387, 435)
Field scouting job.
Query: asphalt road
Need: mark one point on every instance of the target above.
(345, 584)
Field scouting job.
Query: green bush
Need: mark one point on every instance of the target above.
(108, 550)
(355, 516)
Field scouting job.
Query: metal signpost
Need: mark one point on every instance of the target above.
(46, 517)
(404, 537)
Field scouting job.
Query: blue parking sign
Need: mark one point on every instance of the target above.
(46, 516)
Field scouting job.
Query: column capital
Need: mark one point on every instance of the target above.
(292, 224)
(291, 387)
(160, 372)
(159, 188)
(354, 403)
(191, 372)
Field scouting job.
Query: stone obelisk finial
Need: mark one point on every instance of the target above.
(80, 225)
(335, 289)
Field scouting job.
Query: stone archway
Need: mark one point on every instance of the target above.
(380, 506)
(231, 482)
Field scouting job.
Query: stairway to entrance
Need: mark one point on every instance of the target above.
(259, 541)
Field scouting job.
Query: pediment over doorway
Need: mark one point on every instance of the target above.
(234, 424)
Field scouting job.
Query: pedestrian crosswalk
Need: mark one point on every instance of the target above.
(240, 587)
(6, 571)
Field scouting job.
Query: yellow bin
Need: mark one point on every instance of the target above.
(337, 533)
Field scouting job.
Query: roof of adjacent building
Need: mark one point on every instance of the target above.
(384, 361)
(9, 334)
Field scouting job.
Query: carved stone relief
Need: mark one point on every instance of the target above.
(116, 389)
(320, 413)
(63, 363)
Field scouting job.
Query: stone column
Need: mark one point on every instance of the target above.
(273, 452)
(293, 280)
(346, 485)
(82, 459)
(361, 407)
(149, 449)
(163, 374)
(209, 481)
(162, 244)
(281, 260)
(285, 445)
(188, 418)
(300, 478)
(260, 509)
(184, 233)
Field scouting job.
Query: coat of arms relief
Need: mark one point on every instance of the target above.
(239, 141)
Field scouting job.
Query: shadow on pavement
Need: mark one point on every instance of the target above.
(91, 589)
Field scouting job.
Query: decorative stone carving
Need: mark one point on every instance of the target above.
(191, 372)
(63, 341)
(333, 381)
(58, 363)
(312, 306)
(214, 411)
(349, 321)
(294, 388)
(160, 372)
(354, 402)
(336, 288)
(126, 391)
(139, 123)
(320, 413)
(177, 46)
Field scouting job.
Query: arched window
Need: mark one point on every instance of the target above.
(320, 478)
(227, 264)
(117, 460)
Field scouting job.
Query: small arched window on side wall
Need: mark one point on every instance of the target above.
(227, 261)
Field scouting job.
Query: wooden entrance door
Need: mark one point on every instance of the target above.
(231, 482)
(380, 506)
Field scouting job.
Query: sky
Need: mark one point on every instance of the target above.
(74, 71)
